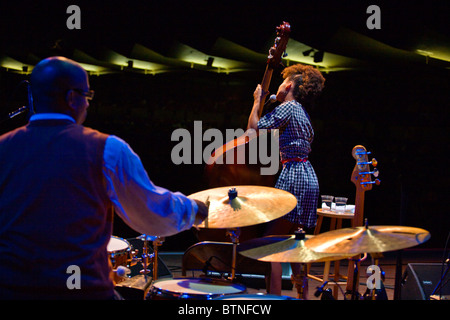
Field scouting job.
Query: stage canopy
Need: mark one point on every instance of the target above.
(149, 38)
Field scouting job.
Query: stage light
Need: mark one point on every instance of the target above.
(197, 58)
(318, 56)
(308, 52)
(135, 65)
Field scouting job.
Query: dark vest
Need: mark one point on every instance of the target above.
(54, 213)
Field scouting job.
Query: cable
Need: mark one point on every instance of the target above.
(441, 285)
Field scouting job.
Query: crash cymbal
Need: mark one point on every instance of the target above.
(367, 239)
(241, 206)
(284, 248)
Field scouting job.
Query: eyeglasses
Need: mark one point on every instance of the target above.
(88, 94)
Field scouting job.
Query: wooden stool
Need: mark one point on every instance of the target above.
(335, 223)
(336, 219)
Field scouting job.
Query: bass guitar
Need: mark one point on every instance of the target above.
(362, 179)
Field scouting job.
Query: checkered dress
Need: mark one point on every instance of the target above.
(298, 178)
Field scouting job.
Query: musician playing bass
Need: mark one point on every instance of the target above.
(301, 85)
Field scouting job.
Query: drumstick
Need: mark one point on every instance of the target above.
(206, 219)
(207, 204)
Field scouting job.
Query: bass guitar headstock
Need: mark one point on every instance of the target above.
(362, 174)
(278, 50)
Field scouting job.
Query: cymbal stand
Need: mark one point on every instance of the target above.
(355, 294)
(234, 235)
(145, 258)
(300, 282)
(156, 243)
(376, 293)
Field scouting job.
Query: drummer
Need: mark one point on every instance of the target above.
(60, 184)
(301, 85)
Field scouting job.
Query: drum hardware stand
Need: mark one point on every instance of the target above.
(300, 281)
(354, 293)
(145, 258)
(325, 293)
(134, 260)
(376, 294)
(156, 243)
(234, 235)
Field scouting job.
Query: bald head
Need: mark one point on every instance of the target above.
(52, 80)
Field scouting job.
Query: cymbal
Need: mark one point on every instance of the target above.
(284, 248)
(144, 237)
(367, 239)
(241, 206)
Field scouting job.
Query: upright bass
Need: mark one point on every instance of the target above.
(224, 168)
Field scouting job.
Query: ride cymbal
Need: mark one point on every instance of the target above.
(241, 206)
(367, 239)
(284, 248)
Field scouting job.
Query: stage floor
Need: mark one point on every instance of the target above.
(389, 262)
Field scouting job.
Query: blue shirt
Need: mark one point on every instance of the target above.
(136, 199)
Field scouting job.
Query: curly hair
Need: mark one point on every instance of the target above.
(308, 82)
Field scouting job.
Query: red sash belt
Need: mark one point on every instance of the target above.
(294, 159)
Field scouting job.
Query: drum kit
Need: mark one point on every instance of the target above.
(231, 208)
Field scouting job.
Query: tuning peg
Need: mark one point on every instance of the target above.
(374, 162)
(377, 182)
(375, 172)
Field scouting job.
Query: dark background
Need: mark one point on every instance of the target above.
(397, 109)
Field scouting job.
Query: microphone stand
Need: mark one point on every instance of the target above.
(14, 113)
(22, 109)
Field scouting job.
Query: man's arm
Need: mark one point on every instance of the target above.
(145, 207)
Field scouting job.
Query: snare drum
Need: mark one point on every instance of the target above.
(192, 289)
(119, 252)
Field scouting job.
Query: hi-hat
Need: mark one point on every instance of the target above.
(241, 206)
(284, 248)
(368, 239)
